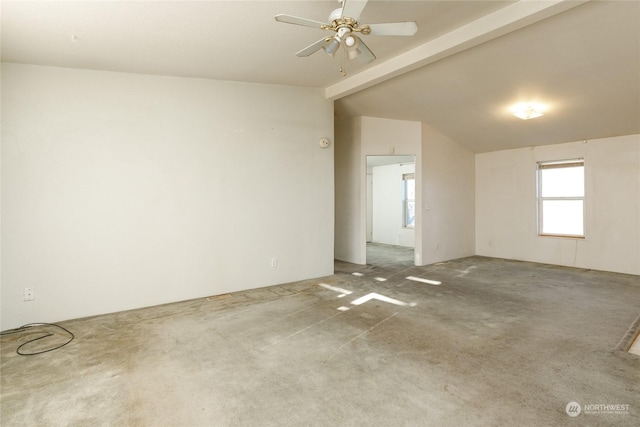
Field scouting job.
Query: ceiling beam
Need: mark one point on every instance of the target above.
(496, 24)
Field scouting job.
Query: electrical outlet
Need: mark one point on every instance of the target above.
(29, 294)
(274, 262)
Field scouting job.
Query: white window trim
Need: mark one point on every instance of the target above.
(541, 165)
(405, 201)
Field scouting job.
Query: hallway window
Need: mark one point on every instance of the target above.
(409, 200)
(561, 198)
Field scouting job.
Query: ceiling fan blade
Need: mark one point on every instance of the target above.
(299, 21)
(312, 48)
(394, 29)
(353, 8)
(366, 55)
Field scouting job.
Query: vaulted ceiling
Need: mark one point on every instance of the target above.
(468, 63)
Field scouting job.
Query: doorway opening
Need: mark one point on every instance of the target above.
(391, 210)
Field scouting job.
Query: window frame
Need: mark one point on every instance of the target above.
(556, 164)
(405, 201)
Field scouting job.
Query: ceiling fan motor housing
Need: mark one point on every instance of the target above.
(337, 21)
(335, 15)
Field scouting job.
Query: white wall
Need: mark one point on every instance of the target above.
(369, 207)
(445, 186)
(506, 206)
(121, 191)
(355, 140)
(448, 198)
(387, 210)
(383, 137)
(347, 192)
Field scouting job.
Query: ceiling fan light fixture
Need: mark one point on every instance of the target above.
(344, 21)
(351, 44)
(332, 46)
(350, 40)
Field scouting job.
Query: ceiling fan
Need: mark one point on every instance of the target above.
(344, 21)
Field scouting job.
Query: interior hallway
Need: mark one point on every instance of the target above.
(496, 343)
(381, 255)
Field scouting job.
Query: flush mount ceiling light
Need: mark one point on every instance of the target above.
(526, 111)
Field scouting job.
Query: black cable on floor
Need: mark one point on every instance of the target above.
(26, 327)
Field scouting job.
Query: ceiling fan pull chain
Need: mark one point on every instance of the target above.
(344, 59)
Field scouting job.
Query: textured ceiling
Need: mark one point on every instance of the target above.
(223, 40)
(584, 62)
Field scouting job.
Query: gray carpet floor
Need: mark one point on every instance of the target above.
(496, 343)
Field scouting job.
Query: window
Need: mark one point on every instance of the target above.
(409, 200)
(561, 198)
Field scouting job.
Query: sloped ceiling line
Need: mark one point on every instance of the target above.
(496, 24)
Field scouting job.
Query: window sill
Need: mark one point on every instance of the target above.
(562, 236)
